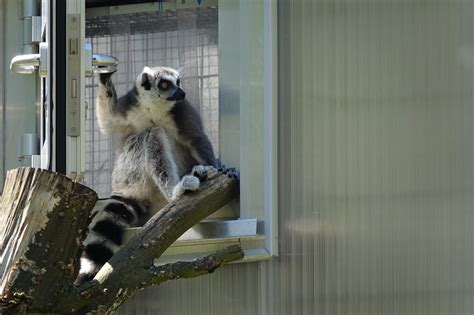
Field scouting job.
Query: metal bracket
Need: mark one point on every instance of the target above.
(31, 17)
(28, 145)
(43, 66)
(74, 77)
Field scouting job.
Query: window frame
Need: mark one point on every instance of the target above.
(257, 152)
(259, 188)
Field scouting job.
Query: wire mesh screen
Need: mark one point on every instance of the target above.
(184, 38)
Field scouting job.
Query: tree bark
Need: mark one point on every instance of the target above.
(102, 302)
(43, 220)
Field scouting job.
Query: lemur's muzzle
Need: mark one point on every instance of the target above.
(178, 95)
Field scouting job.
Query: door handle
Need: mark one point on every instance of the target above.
(104, 63)
(99, 63)
(95, 63)
(25, 64)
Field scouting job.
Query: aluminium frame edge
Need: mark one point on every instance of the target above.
(270, 140)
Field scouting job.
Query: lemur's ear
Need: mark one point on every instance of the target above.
(180, 71)
(147, 75)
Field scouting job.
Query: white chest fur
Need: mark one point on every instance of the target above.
(151, 113)
(156, 113)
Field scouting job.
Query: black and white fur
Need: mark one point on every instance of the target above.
(163, 152)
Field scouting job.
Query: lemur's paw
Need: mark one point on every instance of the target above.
(105, 77)
(187, 183)
(230, 171)
(204, 172)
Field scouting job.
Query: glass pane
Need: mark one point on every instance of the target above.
(183, 38)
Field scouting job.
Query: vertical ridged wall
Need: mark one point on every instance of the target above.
(2, 94)
(376, 169)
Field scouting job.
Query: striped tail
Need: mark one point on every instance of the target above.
(111, 217)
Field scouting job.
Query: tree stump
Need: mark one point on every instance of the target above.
(43, 220)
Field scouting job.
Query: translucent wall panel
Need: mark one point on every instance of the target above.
(18, 102)
(376, 169)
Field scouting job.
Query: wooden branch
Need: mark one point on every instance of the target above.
(127, 267)
(43, 219)
(190, 269)
(155, 275)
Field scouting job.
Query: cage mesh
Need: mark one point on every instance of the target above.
(184, 38)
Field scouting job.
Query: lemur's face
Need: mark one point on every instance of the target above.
(163, 83)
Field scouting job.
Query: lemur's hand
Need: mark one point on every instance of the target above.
(204, 172)
(104, 77)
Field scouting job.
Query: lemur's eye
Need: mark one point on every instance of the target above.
(164, 85)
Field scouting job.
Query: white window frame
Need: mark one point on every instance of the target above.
(257, 130)
(256, 156)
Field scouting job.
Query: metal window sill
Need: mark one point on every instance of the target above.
(209, 236)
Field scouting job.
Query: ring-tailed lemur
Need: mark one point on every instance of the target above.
(163, 142)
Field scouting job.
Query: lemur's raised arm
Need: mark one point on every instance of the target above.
(109, 115)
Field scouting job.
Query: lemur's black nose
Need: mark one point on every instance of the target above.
(178, 95)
